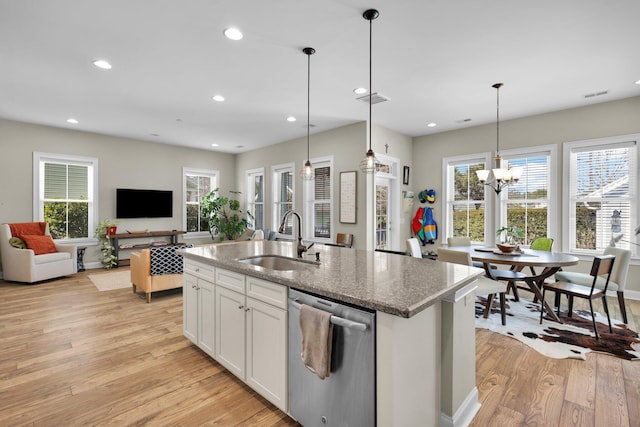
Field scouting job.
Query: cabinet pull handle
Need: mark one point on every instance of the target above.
(247, 309)
(241, 307)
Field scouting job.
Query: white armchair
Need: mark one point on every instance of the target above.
(23, 265)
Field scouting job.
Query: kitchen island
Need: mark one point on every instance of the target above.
(425, 339)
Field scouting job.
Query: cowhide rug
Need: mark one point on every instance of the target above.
(572, 339)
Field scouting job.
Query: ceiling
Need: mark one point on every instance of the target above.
(435, 60)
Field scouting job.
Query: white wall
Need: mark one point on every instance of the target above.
(348, 145)
(123, 163)
(594, 121)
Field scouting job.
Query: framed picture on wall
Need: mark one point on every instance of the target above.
(405, 176)
(348, 195)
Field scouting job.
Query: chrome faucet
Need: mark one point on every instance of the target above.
(300, 247)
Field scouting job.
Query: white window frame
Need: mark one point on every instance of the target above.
(211, 173)
(448, 163)
(568, 179)
(39, 160)
(275, 195)
(551, 151)
(251, 174)
(309, 200)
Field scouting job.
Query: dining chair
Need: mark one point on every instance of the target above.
(538, 244)
(413, 247)
(486, 286)
(618, 280)
(452, 242)
(458, 241)
(600, 270)
(344, 239)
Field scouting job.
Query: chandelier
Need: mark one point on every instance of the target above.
(498, 178)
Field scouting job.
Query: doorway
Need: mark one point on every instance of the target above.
(387, 233)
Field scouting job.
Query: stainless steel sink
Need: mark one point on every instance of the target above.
(278, 262)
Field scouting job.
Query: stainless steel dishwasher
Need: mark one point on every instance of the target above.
(348, 396)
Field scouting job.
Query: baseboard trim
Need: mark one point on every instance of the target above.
(465, 413)
(634, 295)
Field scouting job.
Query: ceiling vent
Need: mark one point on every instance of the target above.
(592, 95)
(376, 98)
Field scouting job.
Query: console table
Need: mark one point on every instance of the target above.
(115, 238)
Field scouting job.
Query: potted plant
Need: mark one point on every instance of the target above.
(226, 219)
(105, 228)
(510, 242)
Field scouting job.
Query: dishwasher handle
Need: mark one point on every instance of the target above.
(337, 320)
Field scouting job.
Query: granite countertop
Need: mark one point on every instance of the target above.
(394, 284)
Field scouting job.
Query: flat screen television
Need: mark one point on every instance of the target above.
(132, 203)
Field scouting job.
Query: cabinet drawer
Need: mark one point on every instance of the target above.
(230, 280)
(269, 292)
(199, 269)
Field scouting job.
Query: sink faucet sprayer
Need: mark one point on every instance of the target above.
(300, 247)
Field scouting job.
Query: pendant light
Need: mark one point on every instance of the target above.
(370, 164)
(501, 177)
(308, 173)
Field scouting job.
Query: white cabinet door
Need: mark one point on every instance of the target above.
(267, 351)
(206, 317)
(230, 330)
(190, 308)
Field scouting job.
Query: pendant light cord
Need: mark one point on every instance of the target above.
(498, 121)
(308, 99)
(497, 86)
(370, 67)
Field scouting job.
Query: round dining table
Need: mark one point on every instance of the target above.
(549, 262)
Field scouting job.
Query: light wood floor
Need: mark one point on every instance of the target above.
(73, 356)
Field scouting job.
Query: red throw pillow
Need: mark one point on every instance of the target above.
(40, 244)
(27, 228)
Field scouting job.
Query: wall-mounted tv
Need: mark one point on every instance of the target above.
(132, 203)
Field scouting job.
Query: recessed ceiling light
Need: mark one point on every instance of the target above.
(218, 98)
(215, 145)
(638, 82)
(233, 34)
(432, 125)
(360, 91)
(72, 121)
(291, 119)
(101, 63)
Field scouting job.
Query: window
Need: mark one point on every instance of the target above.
(64, 191)
(466, 211)
(283, 193)
(525, 204)
(255, 197)
(197, 183)
(601, 180)
(318, 198)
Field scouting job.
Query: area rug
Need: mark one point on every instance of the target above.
(572, 339)
(111, 280)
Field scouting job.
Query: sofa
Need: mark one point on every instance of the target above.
(29, 254)
(156, 269)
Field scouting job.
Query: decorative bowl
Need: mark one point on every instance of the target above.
(505, 247)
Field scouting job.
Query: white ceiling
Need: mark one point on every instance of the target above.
(435, 59)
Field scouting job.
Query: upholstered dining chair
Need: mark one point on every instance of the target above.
(600, 272)
(538, 244)
(486, 286)
(618, 280)
(452, 242)
(413, 247)
(458, 241)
